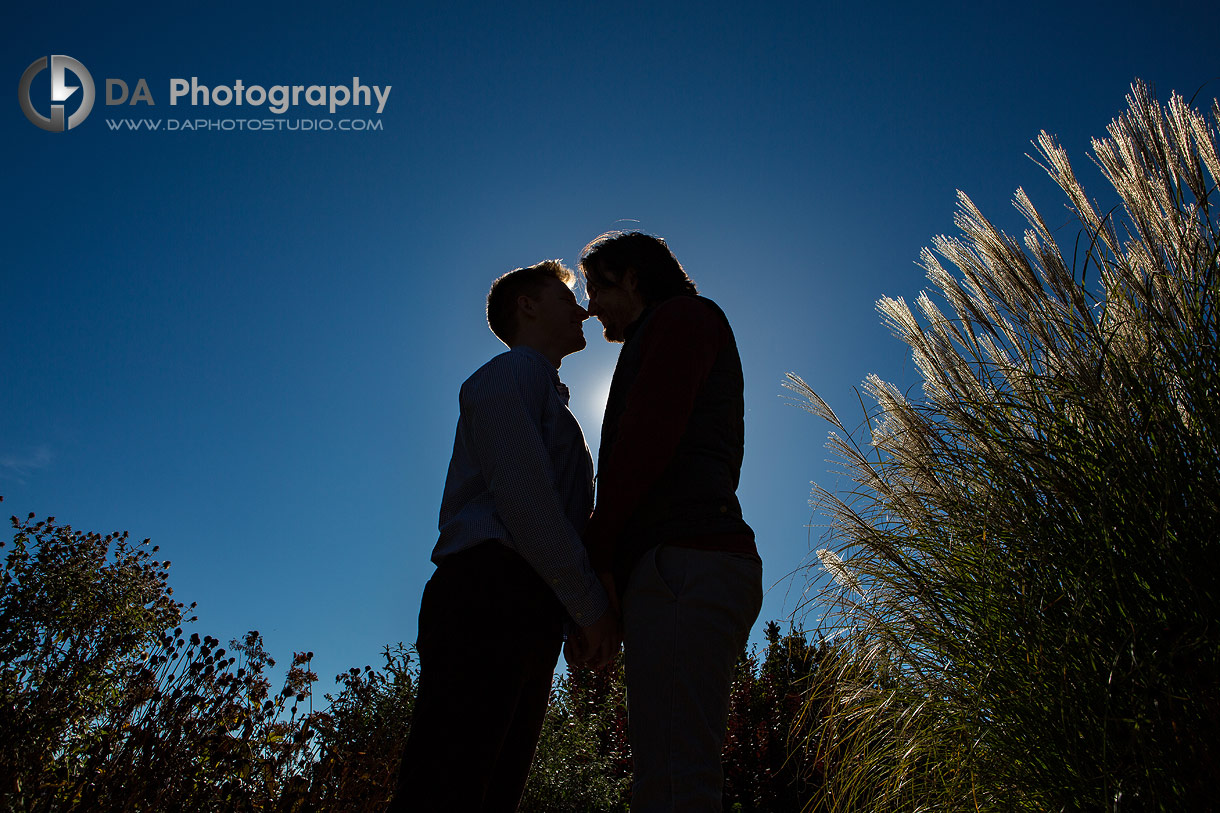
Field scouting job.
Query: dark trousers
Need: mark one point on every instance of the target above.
(490, 631)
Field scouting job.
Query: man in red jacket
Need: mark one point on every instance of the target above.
(667, 532)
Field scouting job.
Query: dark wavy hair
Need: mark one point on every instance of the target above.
(502, 298)
(658, 273)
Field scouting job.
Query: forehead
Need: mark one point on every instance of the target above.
(555, 287)
(598, 277)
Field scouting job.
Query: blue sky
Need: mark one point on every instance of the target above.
(248, 345)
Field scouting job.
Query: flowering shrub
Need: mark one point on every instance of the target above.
(107, 703)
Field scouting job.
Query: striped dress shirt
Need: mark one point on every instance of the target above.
(522, 474)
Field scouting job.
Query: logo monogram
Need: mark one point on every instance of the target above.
(60, 92)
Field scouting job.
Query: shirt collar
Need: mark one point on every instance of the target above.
(631, 329)
(534, 355)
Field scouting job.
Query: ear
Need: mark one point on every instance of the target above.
(629, 282)
(526, 305)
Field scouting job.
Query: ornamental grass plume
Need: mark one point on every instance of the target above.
(834, 565)
(1034, 621)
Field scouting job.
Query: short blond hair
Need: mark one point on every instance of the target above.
(502, 298)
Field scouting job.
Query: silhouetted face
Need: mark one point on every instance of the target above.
(616, 307)
(561, 317)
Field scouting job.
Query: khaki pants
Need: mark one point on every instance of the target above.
(687, 616)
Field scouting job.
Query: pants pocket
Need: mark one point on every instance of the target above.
(668, 569)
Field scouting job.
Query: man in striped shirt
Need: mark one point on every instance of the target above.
(511, 568)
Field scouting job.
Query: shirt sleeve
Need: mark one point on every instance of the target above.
(684, 337)
(502, 416)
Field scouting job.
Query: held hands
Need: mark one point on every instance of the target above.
(594, 645)
(597, 644)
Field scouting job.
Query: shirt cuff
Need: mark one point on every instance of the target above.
(585, 604)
